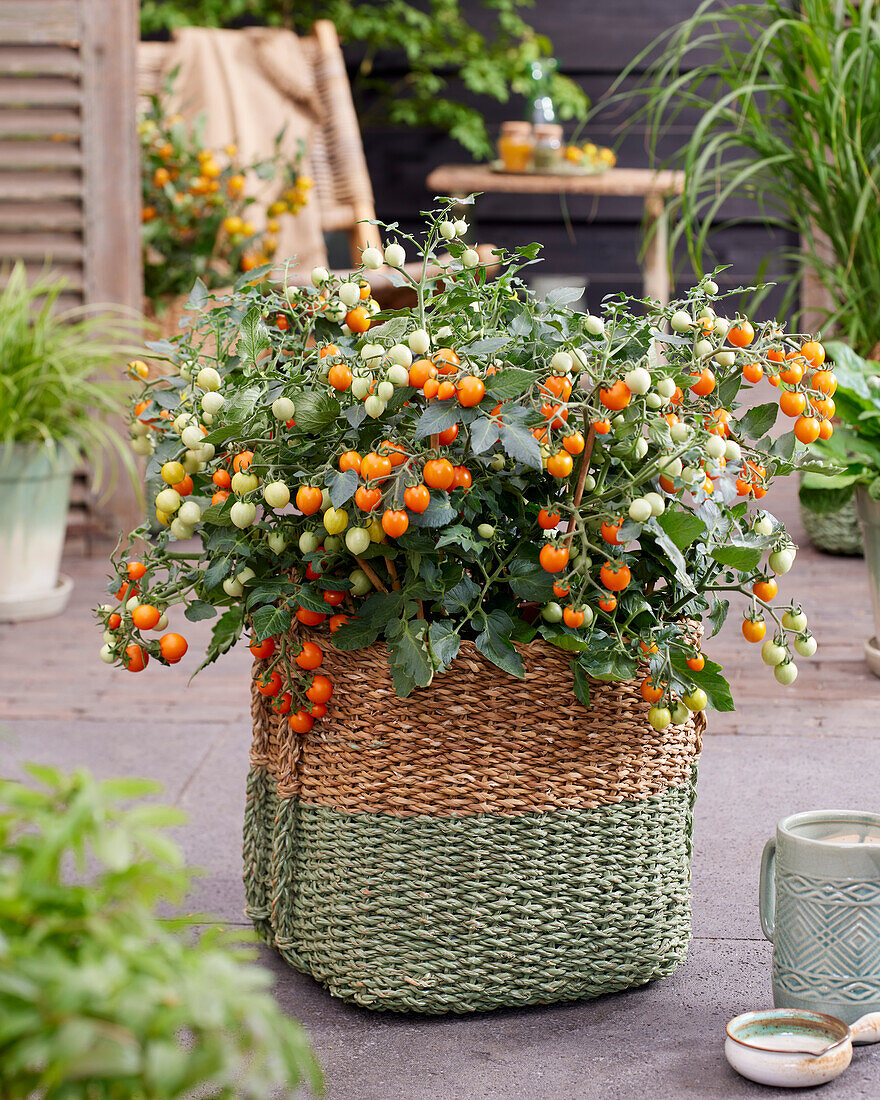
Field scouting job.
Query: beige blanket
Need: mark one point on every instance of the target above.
(251, 84)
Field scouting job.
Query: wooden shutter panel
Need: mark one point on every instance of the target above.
(69, 181)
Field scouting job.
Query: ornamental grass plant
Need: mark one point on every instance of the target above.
(785, 102)
(484, 466)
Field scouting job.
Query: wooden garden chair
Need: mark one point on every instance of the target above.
(335, 157)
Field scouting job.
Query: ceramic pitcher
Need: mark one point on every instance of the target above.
(820, 908)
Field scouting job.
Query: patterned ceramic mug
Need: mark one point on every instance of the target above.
(820, 908)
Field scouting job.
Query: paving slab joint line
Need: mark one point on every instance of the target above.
(221, 730)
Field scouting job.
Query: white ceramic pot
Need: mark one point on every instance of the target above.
(34, 499)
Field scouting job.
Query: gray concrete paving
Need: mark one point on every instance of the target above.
(818, 745)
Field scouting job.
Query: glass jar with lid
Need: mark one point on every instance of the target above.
(548, 146)
(515, 146)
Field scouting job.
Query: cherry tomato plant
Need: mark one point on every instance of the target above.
(484, 465)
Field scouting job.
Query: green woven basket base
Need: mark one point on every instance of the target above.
(459, 914)
(259, 831)
(835, 532)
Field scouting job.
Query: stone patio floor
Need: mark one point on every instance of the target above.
(816, 744)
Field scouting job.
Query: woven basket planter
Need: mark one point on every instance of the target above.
(834, 532)
(485, 842)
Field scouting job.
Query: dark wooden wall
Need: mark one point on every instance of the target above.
(594, 40)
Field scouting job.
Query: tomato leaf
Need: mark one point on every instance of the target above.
(485, 433)
(269, 621)
(718, 614)
(408, 656)
(529, 581)
(438, 513)
(218, 515)
(197, 296)
(239, 407)
(487, 346)
(341, 485)
(254, 335)
(198, 610)
(604, 661)
(226, 632)
(315, 411)
(510, 382)
(758, 420)
(218, 570)
(742, 558)
(460, 596)
(521, 445)
(444, 643)
(493, 642)
(563, 295)
(581, 683)
(438, 416)
(681, 527)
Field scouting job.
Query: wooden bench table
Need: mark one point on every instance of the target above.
(651, 187)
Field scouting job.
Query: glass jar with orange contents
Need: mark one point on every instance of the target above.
(515, 146)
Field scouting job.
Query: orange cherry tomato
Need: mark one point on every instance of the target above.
(650, 691)
(610, 530)
(445, 390)
(145, 616)
(462, 479)
(741, 334)
(572, 617)
(135, 570)
(309, 499)
(336, 621)
(806, 429)
(375, 467)
(615, 575)
(114, 621)
(328, 349)
(420, 372)
(548, 520)
(301, 721)
(560, 465)
(431, 388)
(754, 629)
(765, 589)
(339, 376)
(602, 427)
(813, 352)
(446, 360)
(615, 397)
(310, 656)
(220, 497)
(417, 498)
(697, 663)
(350, 460)
(269, 683)
(309, 618)
(281, 704)
(826, 429)
(823, 406)
(136, 658)
(608, 603)
(242, 461)
(221, 479)
(704, 384)
(792, 402)
(448, 436)
(334, 599)
(358, 319)
(394, 452)
(553, 559)
(560, 590)
(753, 372)
(395, 522)
(825, 382)
(263, 649)
(792, 373)
(320, 689)
(471, 391)
(574, 443)
(368, 500)
(438, 473)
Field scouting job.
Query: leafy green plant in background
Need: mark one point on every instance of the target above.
(786, 112)
(444, 51)
(53, 389)
(854, 449)
(99, 998)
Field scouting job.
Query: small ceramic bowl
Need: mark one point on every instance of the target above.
(788, 1049)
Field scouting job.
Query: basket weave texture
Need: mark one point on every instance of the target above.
(487, 841)
(836, 532)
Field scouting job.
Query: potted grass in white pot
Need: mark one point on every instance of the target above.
(56, 400)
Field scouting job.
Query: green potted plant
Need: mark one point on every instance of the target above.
(786, 103)
(101, 995)
(854, 454)
(54, 410)
(471, 544)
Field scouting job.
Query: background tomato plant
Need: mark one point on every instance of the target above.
(487, 466)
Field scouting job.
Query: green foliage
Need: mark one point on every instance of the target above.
(53, 388)
(853, 452)
(786, 113)
(441, 46)
(538, 400)
(100, 999)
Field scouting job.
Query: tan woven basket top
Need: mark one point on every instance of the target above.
(476, 741)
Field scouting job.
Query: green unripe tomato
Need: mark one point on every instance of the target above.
(654, 401)
(419, 341)
(335, 520)
(806, 645)
(595, 326)
(665, 387)
(696, 700)
(400, 355)
(795, 620)
(641, 448)
(638, 380)
(589, 616)
(191, 462)
(142, 446)
(212, 402)
(679, 432)
(395, 256)
(283, 409)
(209, 379)
(360, 582)
(711, 288)
(332, 544)
(670, 466)
(397, 375)
(233, 587)
(640, 510)
(320, 275)
(680, 713)
(325, 500)
(660, 718)
(357, 539)
(561, 363)
(470, 258)
(772, 653)
(446, 229)
(360, 386)
(349, 294)
(374, 406)
(371, 258)
(309, 542)
(276, 542)
(106, 654)
(658, 504)
(732, 451)
(763, 525)
(245, 576)
(681, 321)
(335, 311)
(497, 463)
(244, 483)
(715, 447)
(172, 472)
(551, 612)
(787, 673)
(724, 358)
(385, 391)
(702, 348)
(589, 483)
(243, 513)
(485, 530)
(276, 494)
(189, 513)
(168, 500)
(781, 561)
